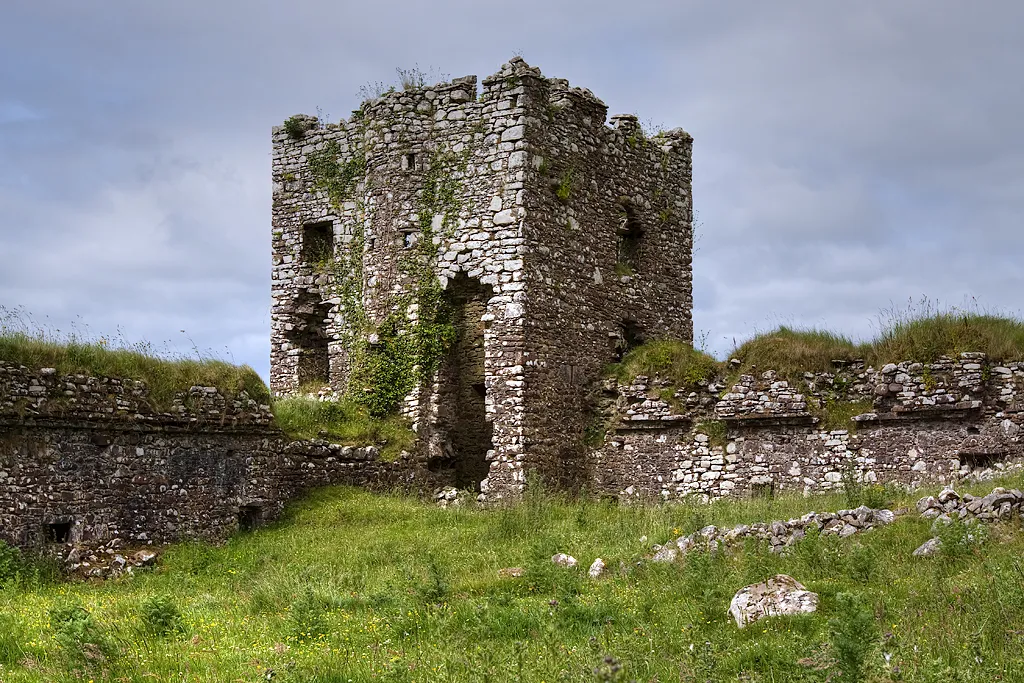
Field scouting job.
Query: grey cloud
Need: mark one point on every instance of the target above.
(846, 155)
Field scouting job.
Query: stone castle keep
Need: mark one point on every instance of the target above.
(549, 241)
(473, 260)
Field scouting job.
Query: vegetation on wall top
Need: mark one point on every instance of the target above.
(166, 374)
(669, 359)
(345, 422)
(921, 333)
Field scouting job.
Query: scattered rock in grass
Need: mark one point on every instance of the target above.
(928, 548)
(778, 596)
(107, 560)
(999, 504)
(779, 534)
(450, 496)
(665, 553)
(563, 560)
(511, 572)
(596, 569)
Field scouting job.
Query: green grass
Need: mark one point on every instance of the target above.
(793, 352)
(343, 422)
(352, 586)
(835, 414)
(164, 377)
(671, 360)
(949, 333)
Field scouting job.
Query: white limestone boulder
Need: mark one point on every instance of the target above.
(778, 596)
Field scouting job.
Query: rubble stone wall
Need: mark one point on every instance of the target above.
(88, 460)
(580, 230)
(935, 422)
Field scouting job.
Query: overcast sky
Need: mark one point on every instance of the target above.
(847, 156)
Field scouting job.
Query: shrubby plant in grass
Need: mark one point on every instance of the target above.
(853, 634)
(78, 635)
(160, 615)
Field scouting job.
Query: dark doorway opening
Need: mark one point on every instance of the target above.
(57, 532)
(249, 517)
(764, 489)
(464, 391)
(309, 335)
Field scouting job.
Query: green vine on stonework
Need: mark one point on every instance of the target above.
(338, 180)
(434, 330)
(403, 351)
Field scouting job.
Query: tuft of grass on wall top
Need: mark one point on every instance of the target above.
(669, 359)
(792, 352)
(23, 342)
(949, 333)
(345, 422)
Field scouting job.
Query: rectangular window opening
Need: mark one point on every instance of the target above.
(765, 490)
(631, 235)
(409, 162)
(317, 242)
(249, 517)
(57, 532)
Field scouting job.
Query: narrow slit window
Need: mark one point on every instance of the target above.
(630, 234)
(409, 162)
(317, 242)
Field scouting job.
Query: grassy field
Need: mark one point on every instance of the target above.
(352, 586)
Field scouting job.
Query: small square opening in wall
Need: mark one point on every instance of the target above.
(764, 489)
(980, 460)
(57, 532)
(409, 162)
(249, 517)
(317, 242)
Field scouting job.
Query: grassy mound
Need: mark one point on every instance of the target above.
(164, 377)
(352, 586)
(950, 333)
(669, 359)
(793, 352)
(343, 422)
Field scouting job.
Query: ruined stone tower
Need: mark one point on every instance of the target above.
(473, 260)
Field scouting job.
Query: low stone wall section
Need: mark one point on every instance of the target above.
(760, 434)
(87, 460)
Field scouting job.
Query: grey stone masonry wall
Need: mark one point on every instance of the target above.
(577, 233)
(87, 460)
(916, 423)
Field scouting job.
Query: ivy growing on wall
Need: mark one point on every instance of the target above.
(387, 361)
